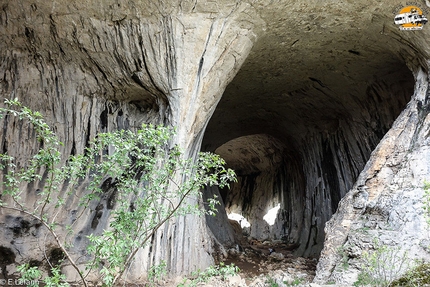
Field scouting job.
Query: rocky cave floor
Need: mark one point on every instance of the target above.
(259, 267)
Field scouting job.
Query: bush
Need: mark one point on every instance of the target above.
(382, 266)
(418, 276)
(152, 183)
(222, 270)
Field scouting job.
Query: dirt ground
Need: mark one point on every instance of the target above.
(261, 264)
(266, 259)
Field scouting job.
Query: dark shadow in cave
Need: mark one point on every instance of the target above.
(297, 153)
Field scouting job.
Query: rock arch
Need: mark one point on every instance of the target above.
(326, 80)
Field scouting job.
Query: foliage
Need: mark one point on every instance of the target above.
(296, 281)
(222, 270)
(382, 266)
(151, 182)
(167, 182)
(418, 276)
(427, 200)
(270, 281)
(29, 274)
(57, 279)
(344, 260)
(156, 272)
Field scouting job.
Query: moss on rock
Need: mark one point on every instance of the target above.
(419, 276)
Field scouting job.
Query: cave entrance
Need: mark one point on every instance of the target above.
(297, 153)
(302, 116)
(267, 178)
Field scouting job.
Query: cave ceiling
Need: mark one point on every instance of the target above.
(313, 64)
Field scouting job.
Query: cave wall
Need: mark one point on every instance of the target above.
(310, 173)
(98, 66)
(328, 91)
(334, 157)
(267, 178)
(325, 89)
(386, 202)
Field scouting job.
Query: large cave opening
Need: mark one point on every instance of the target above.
(296, 161)
(299, 122)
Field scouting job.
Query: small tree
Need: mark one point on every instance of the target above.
(152, 182)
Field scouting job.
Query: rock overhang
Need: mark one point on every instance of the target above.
(313, 64)
(327, 80)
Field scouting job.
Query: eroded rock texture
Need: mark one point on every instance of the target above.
(296, 95)
(95, 66)
(386, 202)
(329, 90)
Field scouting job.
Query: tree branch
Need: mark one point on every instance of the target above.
(57, 239)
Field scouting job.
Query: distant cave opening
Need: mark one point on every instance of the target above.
(298, 153)
(270, 180)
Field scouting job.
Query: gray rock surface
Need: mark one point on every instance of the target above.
(318, 96)
(386, 202)
(99, 66)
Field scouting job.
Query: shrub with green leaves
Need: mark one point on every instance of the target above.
(381, 266)
(151, 179)
(418, 276)
(271, 282)
(156, 272)
(222, 270)
(30, 275)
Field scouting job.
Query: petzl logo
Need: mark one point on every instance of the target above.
(410, 18)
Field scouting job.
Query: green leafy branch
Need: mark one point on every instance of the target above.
(46, 160)
(382, 266)
(169, 180)
(152, 182)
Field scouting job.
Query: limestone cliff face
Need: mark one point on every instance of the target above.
(312, 102)
(386, 202)
(99, 66)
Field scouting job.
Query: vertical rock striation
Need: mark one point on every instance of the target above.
(386, 201)
(98, 66)
(307, 172)
(308, 91)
